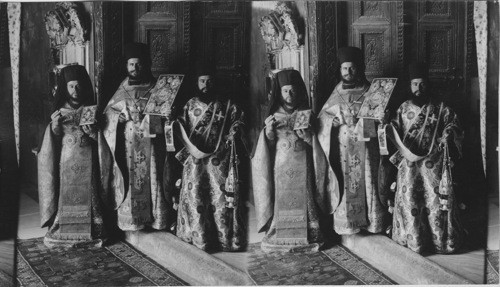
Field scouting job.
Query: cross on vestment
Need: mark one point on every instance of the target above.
(355, 161)
(140, 156)
(354, 137)
(432, 119)
(219, 115)
(199, 130)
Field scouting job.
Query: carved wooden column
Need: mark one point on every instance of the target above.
(109, 70)
(312, 39)
(330, 21)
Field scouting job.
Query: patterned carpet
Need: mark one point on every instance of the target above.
(334, 266)
(116, 265)
(492, 267)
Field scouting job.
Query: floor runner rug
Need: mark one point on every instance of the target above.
(334, 266)
(118, 264)
(492, 267)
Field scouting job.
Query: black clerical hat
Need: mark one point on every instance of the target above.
(350, 54)
(418, 70)
(289, 77)
(205, 69)
(136, 50)
(74, 73)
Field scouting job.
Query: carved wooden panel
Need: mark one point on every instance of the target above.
(161, 7)
(223, 9)
(438, 48)
(440, 31)
(162, 41)
(223, 43)
(373, 46)
(327, 49)
(4, 37)
(371, 11)
(111, 64)
(438, 10)
(224, 40)
(164, 26)
(374, 27)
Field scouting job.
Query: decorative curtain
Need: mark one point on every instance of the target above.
(481, 29)
(14, 15)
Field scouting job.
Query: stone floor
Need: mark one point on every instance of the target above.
(469, 264)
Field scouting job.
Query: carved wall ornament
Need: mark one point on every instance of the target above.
(284, 41)
(68, 29)
(67, 23)
(279, 29)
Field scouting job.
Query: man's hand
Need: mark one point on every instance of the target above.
(91, 130)
(386, 117)
(305, 134)
(270, 127)
(336, 122)
(56, 122)
(122, 118)
(445, 139)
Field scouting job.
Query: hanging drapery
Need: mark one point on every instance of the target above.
(14, 15)
(481, 29)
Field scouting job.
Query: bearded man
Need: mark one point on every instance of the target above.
(291, 176)
(68, 169)
(428, 136)
(354, 160)
(133, 168)
(210, 210)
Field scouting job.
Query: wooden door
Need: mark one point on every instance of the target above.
(222, 39)
(165, 27)
(375, 28)
(439, 40)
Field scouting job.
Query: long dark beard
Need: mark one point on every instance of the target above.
(137, 78)
(422, 99)
(74, 103)
(206, 97)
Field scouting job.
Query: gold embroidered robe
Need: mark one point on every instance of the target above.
(68, 185)
(355, 163)
(132, 161)
(210, 201)
(419, 221)
(291, 184)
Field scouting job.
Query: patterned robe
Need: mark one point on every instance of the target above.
(210, 206)
(354, 161)
(132, 161)
(290, 179)
(68, 185)
(425, 209)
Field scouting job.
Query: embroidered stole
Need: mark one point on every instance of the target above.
(207, 132)
(76, 180)
(291, 185)
(139, 164)
(415, 145)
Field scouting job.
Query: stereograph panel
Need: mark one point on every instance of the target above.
(243, 38)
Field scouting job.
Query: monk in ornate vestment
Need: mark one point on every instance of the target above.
(354, 160)
(428, 137)
(68, 168)
(291, 175)
(210, 201)
(133, 166)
